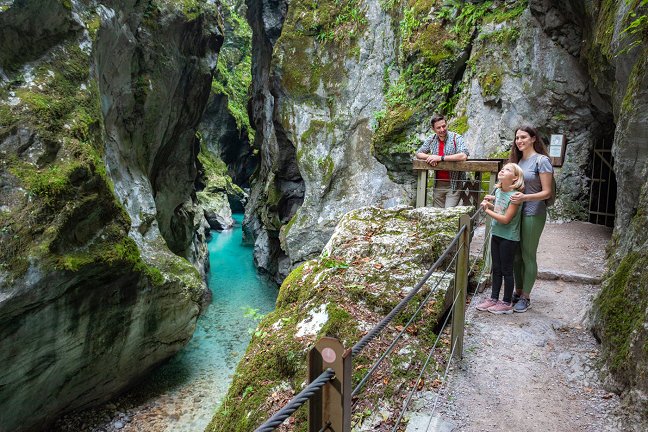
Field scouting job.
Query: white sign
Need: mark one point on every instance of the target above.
(556, 145)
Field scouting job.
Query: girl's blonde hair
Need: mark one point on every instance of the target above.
(518, 185)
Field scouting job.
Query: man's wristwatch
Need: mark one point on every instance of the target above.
(442, 158)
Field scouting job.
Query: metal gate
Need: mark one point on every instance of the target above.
(603, 187)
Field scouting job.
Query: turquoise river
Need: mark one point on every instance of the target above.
(182, 395)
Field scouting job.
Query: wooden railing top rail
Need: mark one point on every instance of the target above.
(470, 165)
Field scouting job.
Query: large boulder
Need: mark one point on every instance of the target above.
(374, 259)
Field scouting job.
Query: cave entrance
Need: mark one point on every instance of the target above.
(603, 186)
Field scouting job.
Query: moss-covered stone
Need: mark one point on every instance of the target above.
(620, 311)
(374, 257)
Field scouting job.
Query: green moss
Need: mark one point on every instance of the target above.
(504, 36)
(291, 287)
(490, 80)
(326, 167)
(634, 84)
(392, 129)
(340, 324)
(621, 308)
(459, 124)
(93, 25)
(233, 70)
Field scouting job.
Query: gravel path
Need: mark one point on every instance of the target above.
(535, 371)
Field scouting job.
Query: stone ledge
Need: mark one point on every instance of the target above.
(567, 276)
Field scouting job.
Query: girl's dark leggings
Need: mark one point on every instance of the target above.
(503, 253)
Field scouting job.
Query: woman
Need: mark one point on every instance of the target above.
(530, 154)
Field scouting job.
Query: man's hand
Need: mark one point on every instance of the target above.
(433, 159)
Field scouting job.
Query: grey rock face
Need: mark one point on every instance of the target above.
(67, 348)
(544, 85)
(217, 210)
(150, 131)
(222, 136)
(316, 161)
(29, 29)
(91, 295)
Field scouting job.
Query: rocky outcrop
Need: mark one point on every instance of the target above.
(373, 259)
(97, 167)
(313, 104)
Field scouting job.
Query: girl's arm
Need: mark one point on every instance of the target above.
(545, 193)
(506, 217)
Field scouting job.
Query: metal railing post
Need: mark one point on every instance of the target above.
(330, 407)
(421, 188)
(460, 287)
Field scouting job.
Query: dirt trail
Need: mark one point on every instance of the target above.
(534, 371)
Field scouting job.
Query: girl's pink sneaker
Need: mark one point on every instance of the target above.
(501, 308)
(489, 302)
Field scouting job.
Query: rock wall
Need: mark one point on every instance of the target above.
(617, 59)
(313, 103)
(98, 108)
(225, 126)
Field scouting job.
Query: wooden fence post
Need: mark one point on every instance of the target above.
(460, 287)
(421, 188)
(332, 405)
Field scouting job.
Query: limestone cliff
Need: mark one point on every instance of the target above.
(373, 259)
(313, 102)
(99, 103)
(225, 131)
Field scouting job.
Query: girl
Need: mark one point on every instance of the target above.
(530, 153)
(505, 236)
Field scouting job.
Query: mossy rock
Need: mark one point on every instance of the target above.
(373, 259)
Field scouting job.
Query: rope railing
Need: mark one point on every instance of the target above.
(369, 373)
(459, 245)
(427, 361)
(358, 347)
(280, 416)
(423, 369)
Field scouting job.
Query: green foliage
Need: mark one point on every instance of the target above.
(340, 21)
(233, 71)
(637, 29)
(459, 124)
(502, 14)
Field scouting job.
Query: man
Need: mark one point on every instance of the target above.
(444, 146)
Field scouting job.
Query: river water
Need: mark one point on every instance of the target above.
(182, 395)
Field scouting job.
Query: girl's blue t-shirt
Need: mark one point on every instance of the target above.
(511, 230)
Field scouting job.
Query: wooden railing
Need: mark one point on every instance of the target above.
(478, 166)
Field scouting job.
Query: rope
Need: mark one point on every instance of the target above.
(423, 369)
(280, 416)
(361, 384)
(382, 324)
(445, 375)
